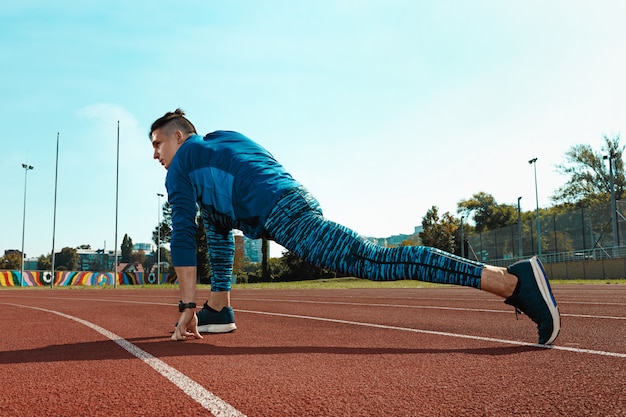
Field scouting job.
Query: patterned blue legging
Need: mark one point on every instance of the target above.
(297, 223)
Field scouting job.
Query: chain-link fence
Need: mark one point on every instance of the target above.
(583, 233)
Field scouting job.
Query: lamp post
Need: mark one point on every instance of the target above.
(159, 195)
(534, 163)
(117, 187)
(519, 227)
(54, 218)
(462, 239)
(613, 205)
(26, 169)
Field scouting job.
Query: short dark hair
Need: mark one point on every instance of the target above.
(176, 119)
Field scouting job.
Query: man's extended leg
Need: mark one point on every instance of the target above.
(498, 281)
(297, 223)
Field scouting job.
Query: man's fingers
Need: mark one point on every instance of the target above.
(192, 328)
(177, 335)
(187, 327)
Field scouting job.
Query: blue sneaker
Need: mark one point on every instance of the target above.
(211, 321)
(533, 297)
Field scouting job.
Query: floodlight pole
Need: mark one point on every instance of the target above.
(26, 169)
(54, 217)
(534, 163)
(159, 195)
(117, 181)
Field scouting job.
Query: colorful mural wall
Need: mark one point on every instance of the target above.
(63, 278)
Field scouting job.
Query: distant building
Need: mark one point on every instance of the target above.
(130, 267)
(253, 249)
(395, 240)
(146, 247)
(97, 260)
(30, 264)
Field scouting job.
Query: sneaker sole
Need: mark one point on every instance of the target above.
(544, 288)
(217, 328)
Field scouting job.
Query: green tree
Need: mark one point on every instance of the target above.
(589, 175)
(127, 249)
(486, 213)
(44, 263)
(166, 256)
(66, 260)
(11, 261)
(202, 252)
(295, 269)
(413, 240)
(265, 267)
(137, 256)
(150, 261)
(165, 227)
(439, 231)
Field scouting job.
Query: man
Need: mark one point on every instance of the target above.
(239, 185)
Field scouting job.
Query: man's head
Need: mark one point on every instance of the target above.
(168, 133)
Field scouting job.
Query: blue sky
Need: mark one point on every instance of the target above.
(381, 108)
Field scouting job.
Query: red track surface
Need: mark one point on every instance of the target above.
(312, 353)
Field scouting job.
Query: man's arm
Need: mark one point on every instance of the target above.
(187, 283)
(183, 246)
(188, 322)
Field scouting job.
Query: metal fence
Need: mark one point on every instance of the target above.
(583, 233)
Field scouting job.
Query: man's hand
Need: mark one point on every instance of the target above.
(187, 327)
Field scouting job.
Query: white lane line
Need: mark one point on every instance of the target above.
(424, 307)
(513, 342)
(432, 332)
(197, 392)
(480, 310)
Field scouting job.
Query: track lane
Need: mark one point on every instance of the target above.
(281, 365)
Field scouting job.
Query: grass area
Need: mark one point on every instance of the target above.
(329, 283)
(350, 283)
(587, 281)
(337, 283)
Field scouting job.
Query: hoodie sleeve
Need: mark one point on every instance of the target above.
(182, 198)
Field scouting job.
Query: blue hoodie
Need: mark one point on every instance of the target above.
(235, 181)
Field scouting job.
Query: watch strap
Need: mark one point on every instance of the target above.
(184, 306)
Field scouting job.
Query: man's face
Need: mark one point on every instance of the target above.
(165, 146)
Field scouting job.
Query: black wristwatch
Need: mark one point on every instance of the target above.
(184, 306)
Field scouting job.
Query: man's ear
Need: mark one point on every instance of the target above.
(179, 137)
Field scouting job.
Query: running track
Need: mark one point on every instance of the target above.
(388, 352)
